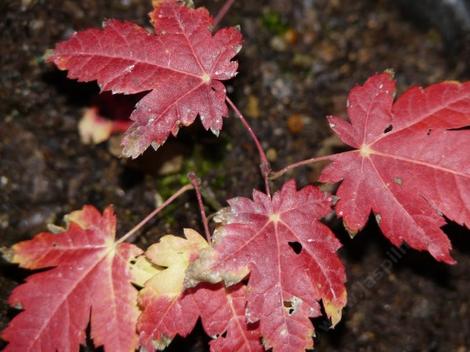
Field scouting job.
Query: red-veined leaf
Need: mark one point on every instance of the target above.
(285, 283)
(182, 65)
(410, 166)
(89, 280)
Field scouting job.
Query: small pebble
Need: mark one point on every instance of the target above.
(295, 123)
(290, 36)
(171, 166)
(278, 43)
(271, 154)
(367, 336)
(3, 181)
(252, 108)
(328, 52)
(4, 221)
(36, 25)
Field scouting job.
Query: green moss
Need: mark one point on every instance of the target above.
(204, 160)
(274, 22)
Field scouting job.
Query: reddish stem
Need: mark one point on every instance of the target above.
(276, 174)
(155, 212)
(222, 12)
(264, 166)
(197, 188)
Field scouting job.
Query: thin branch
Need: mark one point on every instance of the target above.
(155, 212)
(197, 188)
(276, 174)
(264, 166)
(222, 12)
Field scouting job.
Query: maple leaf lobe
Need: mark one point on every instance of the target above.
(284, 286)
(410, 165)
(181, 67)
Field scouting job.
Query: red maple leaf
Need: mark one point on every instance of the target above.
(182, 65)
(89, 281)
(285, 283)
(168, 310)
(410, 165)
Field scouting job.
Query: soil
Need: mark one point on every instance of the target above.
(299, 60)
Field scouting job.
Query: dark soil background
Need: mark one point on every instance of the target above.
(299, 61)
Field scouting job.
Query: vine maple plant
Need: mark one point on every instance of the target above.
(270, 264)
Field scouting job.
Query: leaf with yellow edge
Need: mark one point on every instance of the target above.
(292, 261)
(89, 280)
(168, 310)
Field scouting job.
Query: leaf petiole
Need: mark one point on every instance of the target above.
(196, 182)
(153, 213)
(222, 12)
(276, 174)
(265, 166)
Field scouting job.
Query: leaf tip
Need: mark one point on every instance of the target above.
(215, 132)
(351, 228)
(131, 144)
(334, 309)
(48, 55)
(390, 72)
(161, 343)
(60, 61)
(443, 256)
